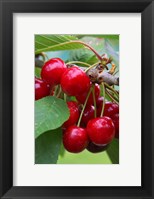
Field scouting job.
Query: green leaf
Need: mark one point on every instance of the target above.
(111, 51)
(47, 147)
(86, 55)
(37, 71)
(50, 113)
(113, 151)
(62, 151)
(55, 42)
(108, 44)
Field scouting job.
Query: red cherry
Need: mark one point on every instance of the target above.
(75, 81)
(99, 105)
(75, 139)
(88, 114)
(110, 109)
(53, 70)
(81, 98)
(99, 102)
(115, 119)
(74, 114)
(93, 148)
(52, 91)
(101, 130)
(42, 89)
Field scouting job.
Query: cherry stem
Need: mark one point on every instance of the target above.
(91, 48)
(92, 66)
(78, 62)
(84, 106)
(111, 97)
(56, 90)
(43, 55)
(94, 99)
(115, 72)
(65, 97)
(59, 92)
(103, 88)
(69, 42)
(110, 88)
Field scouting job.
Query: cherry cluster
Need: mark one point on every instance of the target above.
(85, 128)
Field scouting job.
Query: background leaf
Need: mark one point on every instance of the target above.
(85, 157)
(114, 37)
(113, 151)
(50, 113)
(105, 44)
(45, 43)
(86, 55)
(111, 52)
(47, 147)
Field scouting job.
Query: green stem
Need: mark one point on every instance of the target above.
(103, 88)
(84, 106)
(59, 92)
(56, 90)
(65, 97)
(115, 73)
(47, 56)
(111, 97)
(110, 88)
(91, 66)
(79, 62)
(94, 99)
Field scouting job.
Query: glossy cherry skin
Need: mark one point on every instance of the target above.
(75, 139)
(115, 119)
(101, 130)
(75, 81)
(110, 109)
(81, 98)
(99, 105)
(88, 114)
(93, 148)
(74, 114)
(100, 101)
(42, 89)
(53, 70)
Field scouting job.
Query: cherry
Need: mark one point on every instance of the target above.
(42, 89)
(101, 130)
(75, 81)
(99, 101)
(53, 70)
(99, 105)
(88, 114)
(115, 119)
(111, 109)
(75, 139)
(74, 114)
(52, 92)
(93, 148)
(81, 98)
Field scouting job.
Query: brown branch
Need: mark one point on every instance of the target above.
(98, 76)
